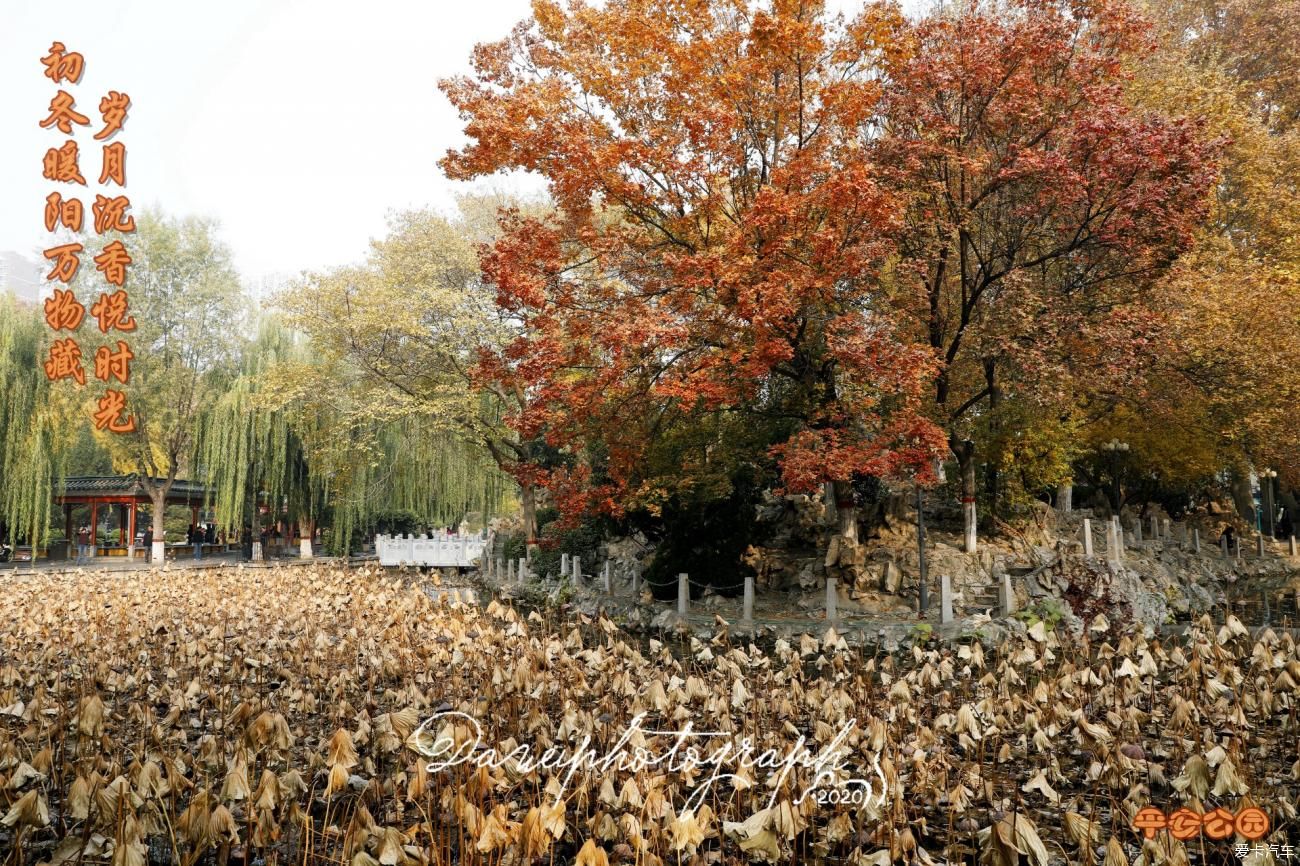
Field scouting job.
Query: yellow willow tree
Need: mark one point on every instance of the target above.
(395, 340)
(288, 434)
(32, 428)
(249, 444)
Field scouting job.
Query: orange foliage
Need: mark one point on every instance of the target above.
(721, 229)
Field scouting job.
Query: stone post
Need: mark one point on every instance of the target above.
(510, 571)
(683, 594)
(564, 563)
(1223, 545)
(831, 609)
(1118, 538)
(1155, 528)
(1259, 544)
(609, 584)
(1087, 537)
(1196, 540)
(747, 614)
(636, 579)
(1112, 543)
(1006, 596)
(1291, 546)
(577, 569)
(522, 571)
(945, 598)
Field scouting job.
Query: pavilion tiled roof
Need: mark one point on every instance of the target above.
(127, 485)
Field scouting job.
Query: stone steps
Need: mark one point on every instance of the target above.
(985, 597)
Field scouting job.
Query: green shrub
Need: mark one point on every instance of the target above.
(705, 539)
(584, 541)
(513, 546)
(396, 522)
(1048, 611)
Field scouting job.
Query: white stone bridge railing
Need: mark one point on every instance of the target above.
(440, 551)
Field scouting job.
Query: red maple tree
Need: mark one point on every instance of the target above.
(768, 209)
(721, 231)
(1041, 205)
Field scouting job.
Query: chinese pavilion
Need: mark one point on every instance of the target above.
(121, 496)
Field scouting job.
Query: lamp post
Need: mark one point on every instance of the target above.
(1266, 478)
(1115, 449)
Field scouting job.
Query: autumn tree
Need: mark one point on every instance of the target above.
(1226, 368)
(1041, 204)
(189, 311)
(394, 341)
(720, 231)
(32, 427)
(251, 444)
(1250, 42)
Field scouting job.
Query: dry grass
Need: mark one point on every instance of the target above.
(264, 717)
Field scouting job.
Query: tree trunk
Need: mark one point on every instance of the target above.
(257, 532)
(993, 478)
(307, 529)
(992, 486)
(528, 501)
(964, 451)
(1288, 500)
(1065, 497)
(846, 511)
(158, 498)
(1240, 488)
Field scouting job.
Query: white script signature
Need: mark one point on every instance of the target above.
(832, 780)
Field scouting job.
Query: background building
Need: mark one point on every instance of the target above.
(22, 276)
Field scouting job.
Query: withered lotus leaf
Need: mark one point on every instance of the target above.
(313, 683)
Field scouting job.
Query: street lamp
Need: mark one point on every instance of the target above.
(1115, 448)
(1267, 477)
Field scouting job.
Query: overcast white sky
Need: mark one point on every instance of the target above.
(296, 123)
